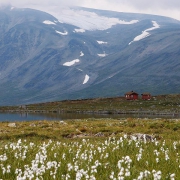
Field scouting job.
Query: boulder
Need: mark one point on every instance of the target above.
(12, 125)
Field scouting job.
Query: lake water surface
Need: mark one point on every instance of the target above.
(10, 117)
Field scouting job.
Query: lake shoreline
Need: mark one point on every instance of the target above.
(115, 112)
(162, 105)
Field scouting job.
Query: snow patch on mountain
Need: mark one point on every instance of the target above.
(79, 69)
(86, 79)
(101, 42)
(81, 54)
(146, 32)
(79, 30)
(71, 63)
(49, 22)
(102, 55)
(62, 33)
(86, 20)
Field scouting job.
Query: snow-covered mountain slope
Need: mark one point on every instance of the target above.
(146, 33)
(82, 53)
(85, 19)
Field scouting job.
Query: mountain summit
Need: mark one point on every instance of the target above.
(85, 53)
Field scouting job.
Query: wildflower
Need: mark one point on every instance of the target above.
(141, 176)
(157, 160)
(127, 173)
(172, 176)
(156, 143)
(107, 155)
(174, 145)
(64, 156)
(76, 168)
(128, 159)
(70, 167)
(99, 149)
(8, 168)
(146, 173)
(139, 156)
(121, 178)
(67, 176)
(157, 175)
(112, 175)
(3, 157)
(92, 177)
(3, 170)
(166, 157)
(125, 136)
(121, 173)
(6, 147)
(156, 152)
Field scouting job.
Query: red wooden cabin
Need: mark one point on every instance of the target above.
(131, 95)
(146, 96)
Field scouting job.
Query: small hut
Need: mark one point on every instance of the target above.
(131, 95)
(146, 96)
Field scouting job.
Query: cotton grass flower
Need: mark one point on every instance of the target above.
(113, 158)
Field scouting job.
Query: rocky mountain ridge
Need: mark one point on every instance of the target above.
(46, 58)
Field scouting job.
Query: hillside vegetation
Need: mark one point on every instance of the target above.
(162, 104)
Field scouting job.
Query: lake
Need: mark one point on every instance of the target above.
(10, 117)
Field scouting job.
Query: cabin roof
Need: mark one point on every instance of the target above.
(131, 93)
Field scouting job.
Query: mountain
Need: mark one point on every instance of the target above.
(85, 53)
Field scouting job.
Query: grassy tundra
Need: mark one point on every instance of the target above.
(93, 149)
(90, 149)
(162, 104)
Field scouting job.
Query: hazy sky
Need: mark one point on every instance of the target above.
(170, 8)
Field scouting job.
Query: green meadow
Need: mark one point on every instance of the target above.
(90, 149)
(93, 149)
